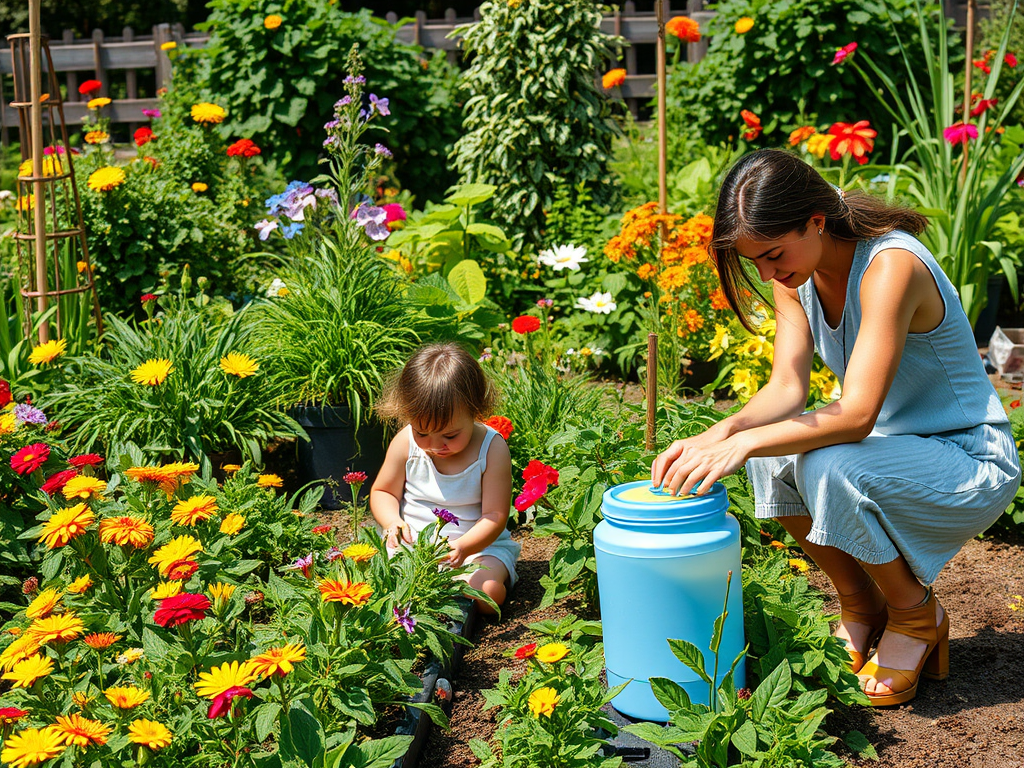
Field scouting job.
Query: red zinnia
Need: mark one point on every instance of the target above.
(5, 393)
(525, 324)
(502, 425)
(144, 135)
(982, 106)
(526, 651)
(322, 529)
(147, 297)
(11, 714)
(222, 702)
(243, 148)
(180, 609)
(540, 469)
(855, 139)
(55, 482)
(753, 123)
(539, 477)
(89, 87)
(1011, 60)
(30, 458)
(85, 460)
(180, 570)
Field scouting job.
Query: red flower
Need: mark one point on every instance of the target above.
(222, 703)
(540, 469)
(85, 460)
(243, 148)
(5, 393)
(30, 458)
(55, 482)
(143, 136)
(983, 66)
(685, 28)
(180, 609)
(11, 714)
(843, 52)
(525, 324)
(394, 212)
(180, 570)
(352, 478)
(89, 87)
(982, 105)
(1011, 60)
(1015, 404)
(855, 139)
(502, 425)
(147, 297)
(322, 529)
(539, 477)
(526, 651)
(753, 123)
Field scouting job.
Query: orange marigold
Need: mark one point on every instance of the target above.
(645, 271)
(685, 28)
(347, 592)
(673, 278)
(693, 319)
(612, 78)
(718, 299)
(802, 133)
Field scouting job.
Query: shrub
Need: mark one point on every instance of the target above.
(534, 119)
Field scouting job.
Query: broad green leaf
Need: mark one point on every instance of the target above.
(745, 739)
(471, 194)
(690, 655)
(469, 282)
(670, 694)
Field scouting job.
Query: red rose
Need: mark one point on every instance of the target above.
(180, 570)
(55, 482)
(30, 458)
(180, 609)
(143, 136)
(525, 324)
(502, 425)
(85, 460)
(5, 393)
(526, 651)
(222, 703)
(89, 87)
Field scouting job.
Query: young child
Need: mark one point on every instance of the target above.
(446, 459)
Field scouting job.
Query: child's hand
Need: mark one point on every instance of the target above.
(455, 555)
(398, 530)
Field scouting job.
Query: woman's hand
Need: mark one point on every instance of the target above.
(700, 459)
(399, 530)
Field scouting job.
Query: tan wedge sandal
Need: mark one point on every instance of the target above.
(855, 609)
(919, 623)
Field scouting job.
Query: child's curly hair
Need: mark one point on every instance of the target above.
(438, 381)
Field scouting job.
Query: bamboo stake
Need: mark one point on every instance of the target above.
(652, 390)
(972, 6)
(36, 130)
(662, 124)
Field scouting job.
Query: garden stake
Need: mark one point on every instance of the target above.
(971, 7)
(662, 140)
(652, 387)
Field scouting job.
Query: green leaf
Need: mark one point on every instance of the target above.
(670, 694)
(266, 716)
(690, 655)
(307, 736)
(858, 742)
(471, 194)
(772, 691)
(469, 282)
(745, 739)
(378, 753)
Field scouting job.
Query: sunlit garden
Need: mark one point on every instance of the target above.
(205, 305)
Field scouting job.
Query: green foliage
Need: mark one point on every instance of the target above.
(1000, 17)
(534, 118)
(574, 218)
(198, 410)
(279, 85)
(784, 64)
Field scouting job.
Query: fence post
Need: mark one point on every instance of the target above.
(161, 35)
(68, 37)
(97, 59)
(417, 31)
(452, 55)
(131, 78)
(696, 51)
(632, 103)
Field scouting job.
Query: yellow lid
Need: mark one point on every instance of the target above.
(646, 494)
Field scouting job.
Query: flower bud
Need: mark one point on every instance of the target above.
(30, 585)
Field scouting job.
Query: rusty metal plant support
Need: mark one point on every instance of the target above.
(49, 250)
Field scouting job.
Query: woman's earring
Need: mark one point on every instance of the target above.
(819, 233)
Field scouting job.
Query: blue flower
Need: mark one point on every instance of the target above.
(291, 230)
(380, 105)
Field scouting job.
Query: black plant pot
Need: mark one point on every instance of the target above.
(986, 323)
(335, 447)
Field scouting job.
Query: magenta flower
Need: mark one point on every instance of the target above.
(222, 703)
(354, 478)
(151, 113)
(404, 619)
(304, 564)
(445, 516)
(960, 132)
(843, 52)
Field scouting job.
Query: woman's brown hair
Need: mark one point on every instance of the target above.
(437, 382)
(770, 193)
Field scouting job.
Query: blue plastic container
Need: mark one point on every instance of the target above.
(662, 565)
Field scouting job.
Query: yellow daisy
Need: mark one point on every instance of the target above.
(60, 627)
(542, 701)
(32, 746)
(126, 530)
(359, 552)
(228, 675)
(23, 648)
(181, 548)
(66, 524)
(149, 733)
(84, 487)
(220, 590)
(269, 481)
(98, 103)
(107, 178)
(28, 671)
(279, 661)
(47, 352)
(208, 114)
(79, 585)
(165, 589)
(43, 604)
(78, 731)
(552, 652)
(232, 524)
(127, 697)
(237, 364)
(193, 510)
(152, 372)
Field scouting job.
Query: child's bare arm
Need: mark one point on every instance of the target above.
(386, 492)
(495, 497)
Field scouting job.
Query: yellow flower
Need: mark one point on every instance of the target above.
(131, 656)
(744, 383)
(346, 592)
(181, 548)
(273, 21)
(776, 545)
(61, 627)
(81, 699)
(84, 487)
(269, 481)
(23, 648)
(97, 137)
(279, 661)
(165, 589)
(98, 103)
(32, 746)
(798, 564)
(231, 468)
(25, 203)
(78, 731)
(149, 733)
(552, 652)
(753, 347)
(232, 524)
(47, 352)
(8, 423)
(198, 186)
(170, 46)
(43, 604)
(221, 591)
(82, 583)
(65, 525)
(228, 675)
(193, 510)
(51, 167)
(744, 24)
(239, 365)
(819, 143)
(127, 697)
(152, 372)
(82, 266)
(126, 530)
(207, 113)
(542, 701)
(359, 552)
(29, 670)
(107, 178)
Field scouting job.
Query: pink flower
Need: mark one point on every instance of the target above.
(55, 482)
(960, 132)
(539, 477)
(843, 52)
(181, 609)
(222, 703)
(394, 212)
(982, 106)
(354, 478)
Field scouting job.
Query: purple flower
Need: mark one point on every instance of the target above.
(545, 303)
(304, 564)
(363, 114)
(29, 414)
(405, 621)
(333, 554)
(354, 80)
(331, 125)
(343, 102)
(330, 141)
(265, 227)
(152, 114)
(445, 516)
(372, 219)
(327, 194)
(380, 105)
(380, 149)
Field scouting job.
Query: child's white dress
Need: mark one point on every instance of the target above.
(427, 489)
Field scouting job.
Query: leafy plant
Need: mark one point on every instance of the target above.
(534, 118)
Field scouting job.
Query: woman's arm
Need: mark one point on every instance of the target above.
(893, 288)
(387, 490)
(495, 498)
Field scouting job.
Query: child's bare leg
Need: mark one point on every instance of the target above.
(490, 580)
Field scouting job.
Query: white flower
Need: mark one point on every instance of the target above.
(6, 194)
(563, 256)
(277, 288)
(600, 303)
(265, 227)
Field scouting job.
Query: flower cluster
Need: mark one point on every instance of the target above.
(291, 205)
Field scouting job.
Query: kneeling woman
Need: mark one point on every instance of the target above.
(883, 486)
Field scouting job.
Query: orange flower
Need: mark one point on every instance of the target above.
(645, 271)
(126, 530)
(685, 28)
(718, 299)
(100, 640)
(753, 123)
(855, 139)
(801, 134)
(693, 319)
(612, 78)
(193, 510)
(78, 731)
(347, 592)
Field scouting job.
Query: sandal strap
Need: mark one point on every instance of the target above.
(856, 607)
(917, 622)
(872, 669)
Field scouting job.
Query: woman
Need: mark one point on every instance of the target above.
(883, 486)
